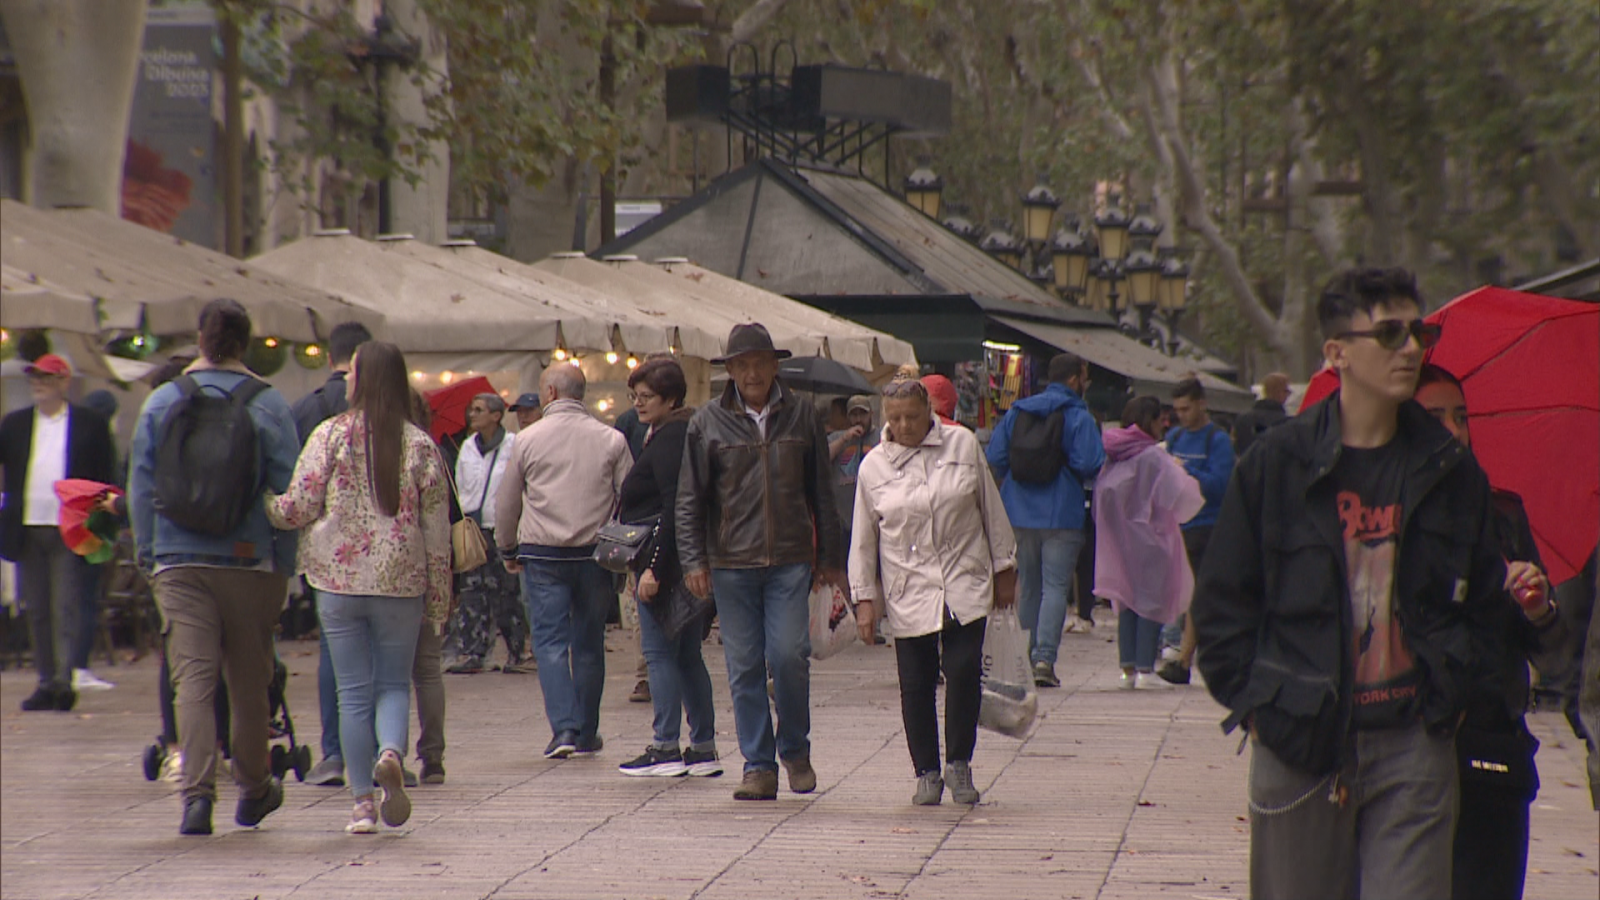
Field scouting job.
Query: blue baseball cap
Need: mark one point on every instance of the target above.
(526, 401)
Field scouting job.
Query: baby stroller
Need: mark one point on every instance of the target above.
(296, 756)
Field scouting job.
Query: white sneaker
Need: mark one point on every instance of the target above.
(172, 768)
(1152, 681)
(1076, 625)
(1127, 681)
(85, 680)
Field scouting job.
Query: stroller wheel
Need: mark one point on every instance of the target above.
(154, 756)
(302, 762)
(280, 761)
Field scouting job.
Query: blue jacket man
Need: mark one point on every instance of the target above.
(1049, 518)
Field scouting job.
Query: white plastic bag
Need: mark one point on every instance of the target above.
(1010, 700)
(833, 622)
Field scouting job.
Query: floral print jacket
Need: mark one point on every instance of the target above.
(350, 546)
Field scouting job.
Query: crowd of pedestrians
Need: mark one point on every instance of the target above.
(1344, 581)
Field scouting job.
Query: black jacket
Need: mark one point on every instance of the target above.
(747, 500)
(91, 454)
(1258, 418)
(319, 406)
(651, 489)
(1272, 606)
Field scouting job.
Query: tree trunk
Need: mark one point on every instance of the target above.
(77, 60)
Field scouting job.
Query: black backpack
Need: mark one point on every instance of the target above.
(1036, 454)
(208, 460)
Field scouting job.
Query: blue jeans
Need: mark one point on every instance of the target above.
(1138, 639)
(766, 623)
(327, 695)
(1046, 561)
(567, 602)
(372, 641)
(679, 683)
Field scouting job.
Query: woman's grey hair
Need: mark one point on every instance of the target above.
(493, 402)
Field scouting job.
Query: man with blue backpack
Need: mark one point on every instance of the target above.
(1043, 451)
(1206, 452)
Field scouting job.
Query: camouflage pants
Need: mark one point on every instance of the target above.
(489, 596)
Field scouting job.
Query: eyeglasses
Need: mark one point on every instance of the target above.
(1391, 334)
(909, 387)
(638, 397)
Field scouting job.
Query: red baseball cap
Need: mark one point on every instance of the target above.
(49, 364)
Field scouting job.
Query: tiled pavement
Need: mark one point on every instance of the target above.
(1114, 795)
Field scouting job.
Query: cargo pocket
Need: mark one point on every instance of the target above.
(1300, 723)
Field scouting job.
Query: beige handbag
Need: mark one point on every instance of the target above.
(468, 548)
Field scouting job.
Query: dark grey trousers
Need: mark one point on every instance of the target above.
(1391, 838)
(51, 581)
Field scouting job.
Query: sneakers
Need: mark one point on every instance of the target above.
(432, 772)
(408, 777)
(702, 763)
(641, 692)
(470, 665)
(85, 680)
(802, 778)
(1173, 672)
(1149, 681)
(562, 745)
(42, 698)
(958, 774)
(758, 784)
(196, 816)
(655, 762)
(328, 773)
(1128, 680)
(930, 789)
(395, 806)
(1044, 675)
(363, 818)
(520, 664)
(251, 810)
(1080, 626)
(172, 768)
(589, 747)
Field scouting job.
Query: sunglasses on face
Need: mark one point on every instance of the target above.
(910, 387)
(1391, 334)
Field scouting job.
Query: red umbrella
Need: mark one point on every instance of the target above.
(85, 530)
(1530, 368)
(449, 404)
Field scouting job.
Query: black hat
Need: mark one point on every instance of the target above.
(526, 401)
(749, 339)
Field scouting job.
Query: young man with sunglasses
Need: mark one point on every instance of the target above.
(1345, 615)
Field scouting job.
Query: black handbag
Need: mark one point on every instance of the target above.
(620, 546)
(679, 610)
(1500, 759)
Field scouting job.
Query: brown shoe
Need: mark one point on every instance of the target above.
(758, 784)
(802, 778)
(641, 693)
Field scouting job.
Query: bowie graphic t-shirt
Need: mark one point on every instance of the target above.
(1386, 675)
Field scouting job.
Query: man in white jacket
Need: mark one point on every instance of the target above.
(489, 595)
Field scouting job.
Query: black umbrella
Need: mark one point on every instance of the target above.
(821, 375)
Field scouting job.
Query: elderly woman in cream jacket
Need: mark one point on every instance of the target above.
(931, 541)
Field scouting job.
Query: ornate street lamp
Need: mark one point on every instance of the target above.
(1111, 227)
(924, 188)
(1038, 207)
(1002, 244)
(960, 225)
(1070, 253)
(1144, 227)
(1144, 282)
(1174, 296)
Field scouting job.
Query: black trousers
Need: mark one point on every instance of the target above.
(1491, 848)
(1085, 572)
(919, 660)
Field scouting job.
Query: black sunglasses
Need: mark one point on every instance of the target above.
(1391, 334)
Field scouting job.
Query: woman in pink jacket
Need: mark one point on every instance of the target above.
(1141, 499)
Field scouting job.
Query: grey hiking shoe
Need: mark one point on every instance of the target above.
(958, 774)
(1044, 675)
(930, 789)
(328, 773)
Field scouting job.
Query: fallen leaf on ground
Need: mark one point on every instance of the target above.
(902, 831)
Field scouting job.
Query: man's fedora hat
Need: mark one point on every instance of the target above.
(750, 338)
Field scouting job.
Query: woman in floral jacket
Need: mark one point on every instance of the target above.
(372, 494)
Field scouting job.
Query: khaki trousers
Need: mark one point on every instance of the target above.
(427, 679)
(219, 621)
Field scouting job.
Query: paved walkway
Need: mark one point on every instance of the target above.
(1114, 795)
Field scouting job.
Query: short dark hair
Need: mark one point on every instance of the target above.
(344, 339)
(665, 377)
(1434, 374)
(1190, 388)
(1140, 410)
(1359, 290)
(32, 344)
(1064, 366)
(224, 330)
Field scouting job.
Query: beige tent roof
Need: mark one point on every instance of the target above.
(28, 301)
(640, 333)
(141, 276)
(847, 342)
(430, 307)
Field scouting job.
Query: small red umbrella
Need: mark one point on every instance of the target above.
(1530, 368)
(86, 530)
(449, 404)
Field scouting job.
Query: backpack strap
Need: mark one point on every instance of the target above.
(247, 390)
(186, 385)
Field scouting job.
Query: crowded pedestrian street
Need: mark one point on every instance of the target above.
(1115, 794)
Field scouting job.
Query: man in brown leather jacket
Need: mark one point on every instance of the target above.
(756, 521)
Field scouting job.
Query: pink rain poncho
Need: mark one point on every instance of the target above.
(1141, 499)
